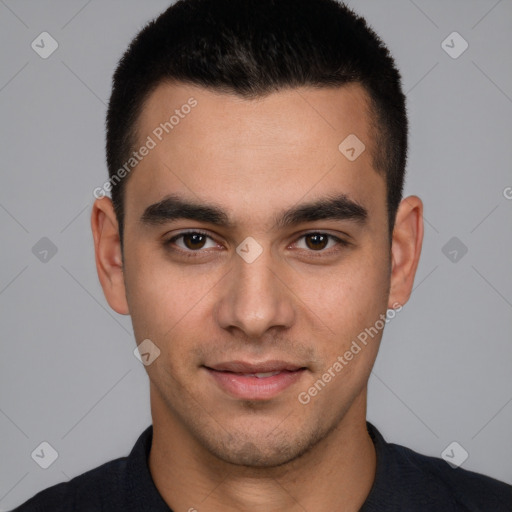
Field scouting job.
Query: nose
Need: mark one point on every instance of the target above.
(255, 297)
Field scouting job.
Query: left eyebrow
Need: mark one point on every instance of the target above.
(173, 207)
(339, 207)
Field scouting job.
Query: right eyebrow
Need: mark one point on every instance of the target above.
(172, 207)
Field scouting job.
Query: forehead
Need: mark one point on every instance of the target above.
(287, 117)
(266, 151)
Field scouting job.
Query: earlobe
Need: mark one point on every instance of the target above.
(107, 247)
(405, 249)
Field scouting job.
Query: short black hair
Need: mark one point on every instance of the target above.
(252, 48)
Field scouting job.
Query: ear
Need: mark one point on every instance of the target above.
(107, 246)
(405, 249)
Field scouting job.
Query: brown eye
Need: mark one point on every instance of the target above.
(316, 241)
(322, 243)
(194, 240)
(190, 241)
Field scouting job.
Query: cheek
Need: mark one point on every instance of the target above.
(350, 305)
(154, 294)
(367, 293)
(163, 306)
(353, 296)
(167, 302)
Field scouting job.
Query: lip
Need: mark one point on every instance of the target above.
(238, 379)
(261, 367)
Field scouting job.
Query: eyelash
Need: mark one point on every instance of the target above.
(194, 254)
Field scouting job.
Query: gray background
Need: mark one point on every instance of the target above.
(67, 370)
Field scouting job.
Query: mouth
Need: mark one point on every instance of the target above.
(255, 381)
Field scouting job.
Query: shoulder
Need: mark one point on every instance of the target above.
(408, 480)
(465, 490)
(96, 489)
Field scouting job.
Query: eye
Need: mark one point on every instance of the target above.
(191, 241)
(318, 242)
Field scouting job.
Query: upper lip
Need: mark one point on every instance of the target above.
(261, 367)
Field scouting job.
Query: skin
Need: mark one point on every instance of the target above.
(295, 302)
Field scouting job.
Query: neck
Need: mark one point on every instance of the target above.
(337, 473)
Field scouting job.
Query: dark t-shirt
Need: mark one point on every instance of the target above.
(404, 481)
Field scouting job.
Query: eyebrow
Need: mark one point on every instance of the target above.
(173, 207)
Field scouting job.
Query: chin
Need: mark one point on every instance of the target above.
(261, 449)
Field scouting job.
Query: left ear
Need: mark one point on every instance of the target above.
(405, 249)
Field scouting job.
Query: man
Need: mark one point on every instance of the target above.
(256, 153)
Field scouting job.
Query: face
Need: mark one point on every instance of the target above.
(255, 253)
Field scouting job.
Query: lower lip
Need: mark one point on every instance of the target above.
(254, 388)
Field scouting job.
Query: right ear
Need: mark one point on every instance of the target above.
(109, 261)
